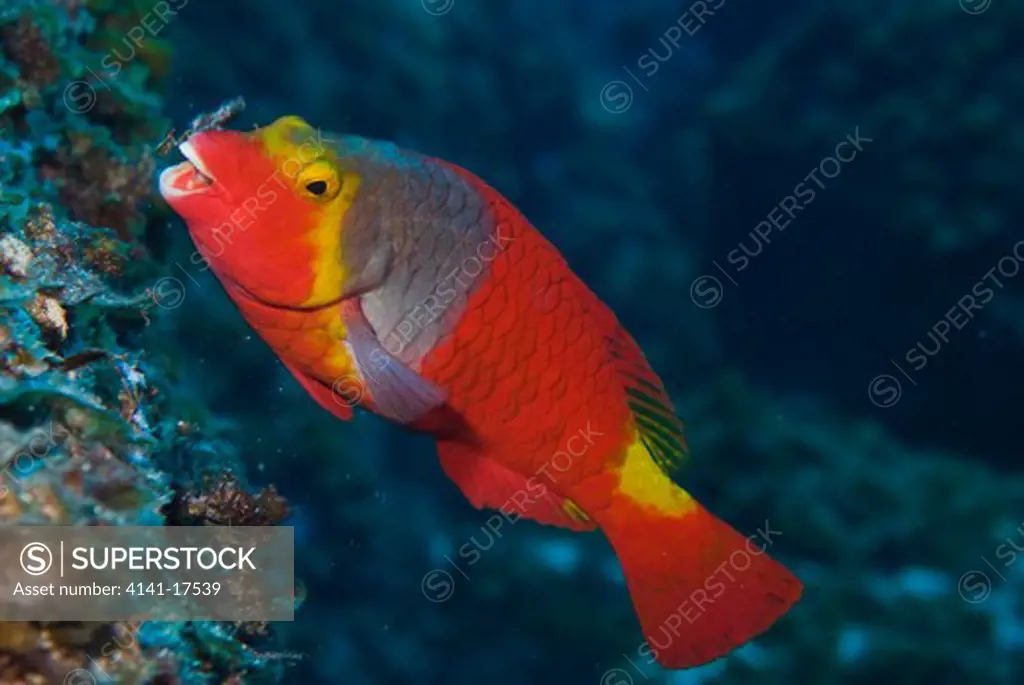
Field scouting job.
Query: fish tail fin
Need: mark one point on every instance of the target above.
(699, 587)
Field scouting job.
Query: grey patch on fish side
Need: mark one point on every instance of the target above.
(436, 226)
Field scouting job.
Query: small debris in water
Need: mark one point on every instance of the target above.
(204, 122)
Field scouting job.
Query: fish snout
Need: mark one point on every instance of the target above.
(191, 177)
(207, 155)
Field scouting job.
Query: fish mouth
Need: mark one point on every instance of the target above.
(190, 177)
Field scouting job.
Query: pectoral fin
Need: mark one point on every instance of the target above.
(394, 390)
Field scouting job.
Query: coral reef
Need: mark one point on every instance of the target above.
(225, 502)
(90, 430)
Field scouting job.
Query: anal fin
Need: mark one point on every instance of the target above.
(488, 484)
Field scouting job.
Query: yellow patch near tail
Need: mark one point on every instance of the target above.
(641, 479)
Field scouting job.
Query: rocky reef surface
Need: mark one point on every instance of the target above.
(93, 431)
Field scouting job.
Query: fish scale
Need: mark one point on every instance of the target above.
(533, 267)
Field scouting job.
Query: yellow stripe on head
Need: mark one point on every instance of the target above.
(313, 169)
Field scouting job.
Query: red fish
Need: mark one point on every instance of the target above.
(407, 286)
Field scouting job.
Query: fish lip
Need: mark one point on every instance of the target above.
(193, 164)
(188, 151)
(169, 178)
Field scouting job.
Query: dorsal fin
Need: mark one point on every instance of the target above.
(659, 428)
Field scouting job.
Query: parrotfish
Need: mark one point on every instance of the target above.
(404, 285)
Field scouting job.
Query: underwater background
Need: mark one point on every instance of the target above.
(807, 213)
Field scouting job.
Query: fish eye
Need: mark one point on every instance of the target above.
(319, 181)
